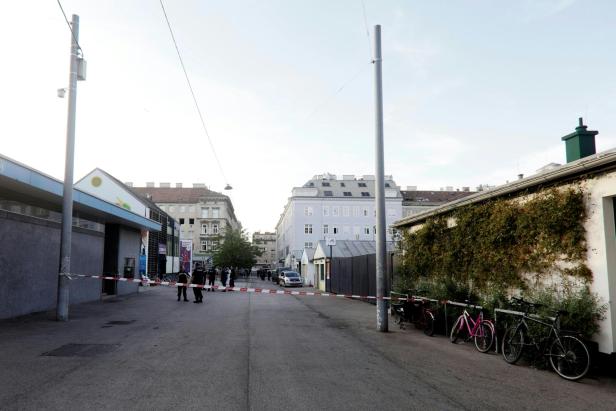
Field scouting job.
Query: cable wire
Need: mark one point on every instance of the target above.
(70, 28)
(209, 139)
(325, 101)
(363, 6)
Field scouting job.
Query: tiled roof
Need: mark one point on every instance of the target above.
(353, 188)
(432, 196)
(180, 195)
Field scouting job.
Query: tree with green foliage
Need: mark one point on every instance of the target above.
(235, 251)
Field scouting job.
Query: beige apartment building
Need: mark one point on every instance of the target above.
(203, 214)
(266, 242)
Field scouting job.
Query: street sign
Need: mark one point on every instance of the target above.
(330, 241)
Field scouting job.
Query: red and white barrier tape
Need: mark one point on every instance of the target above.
(257, 290)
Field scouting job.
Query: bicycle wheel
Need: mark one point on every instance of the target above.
(569, 357)
(455, 331)
(429, 326)
(513, 345)
(484, 337)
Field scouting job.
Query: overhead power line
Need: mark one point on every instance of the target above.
(192, 93)
(70, 28)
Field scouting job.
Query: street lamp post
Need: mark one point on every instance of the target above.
(77, 72)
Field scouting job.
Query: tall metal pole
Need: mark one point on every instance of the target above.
(67, 200)
(381, 261)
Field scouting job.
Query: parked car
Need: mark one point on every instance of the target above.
(277, 271)
(290, 279)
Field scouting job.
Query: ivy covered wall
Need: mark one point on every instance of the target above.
(502, 244)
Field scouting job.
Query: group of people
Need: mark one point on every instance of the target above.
(262, 273)
(199, 277)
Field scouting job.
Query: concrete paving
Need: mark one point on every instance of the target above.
(239, 351)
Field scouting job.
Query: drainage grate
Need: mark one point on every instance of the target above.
(82, 350)
(120, 322)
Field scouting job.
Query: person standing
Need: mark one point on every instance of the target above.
(232, 278)
(211, 278)
(182, 282)
(198, 280)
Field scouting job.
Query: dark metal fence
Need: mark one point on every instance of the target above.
(355, 275)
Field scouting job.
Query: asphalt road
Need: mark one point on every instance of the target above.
(240, 351)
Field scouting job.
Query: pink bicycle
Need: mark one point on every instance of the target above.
(480, 329)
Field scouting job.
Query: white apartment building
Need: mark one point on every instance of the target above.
(266, 242)
(203, 214)
(326, 206)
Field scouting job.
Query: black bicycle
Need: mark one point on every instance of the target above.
(407, 309)
(566, 352)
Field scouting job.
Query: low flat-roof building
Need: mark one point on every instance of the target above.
(593, 174)
(106, 239)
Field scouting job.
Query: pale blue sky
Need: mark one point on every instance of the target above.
(475, 92)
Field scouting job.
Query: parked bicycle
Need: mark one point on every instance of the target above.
(567, 354)
(479, 329)
(409, 309)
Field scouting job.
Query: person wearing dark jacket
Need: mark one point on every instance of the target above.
(198, 280)
(211, 278)
(183, 280)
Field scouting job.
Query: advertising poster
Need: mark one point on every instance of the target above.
(186, 255)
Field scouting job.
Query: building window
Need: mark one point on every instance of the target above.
(356, 211)
(325, 211)
(308, 244)
(307, 211)
(345, 211)
(191, 221)
(356, 231)
(367, 230)
(205, 213)
(215, 212)
(328, 193)
(365, 211)
(374, 229)
(214, 228)
(347, 194)
(342, 184)
(181, 221)
(335, 211)
(325, 184)
(203, 228)
(361, 184)
(203, 245)
(365, 194)
(307, 228)
(387, 185)
(325, 229)
(335, 230)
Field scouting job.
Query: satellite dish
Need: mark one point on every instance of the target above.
(228, 187)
